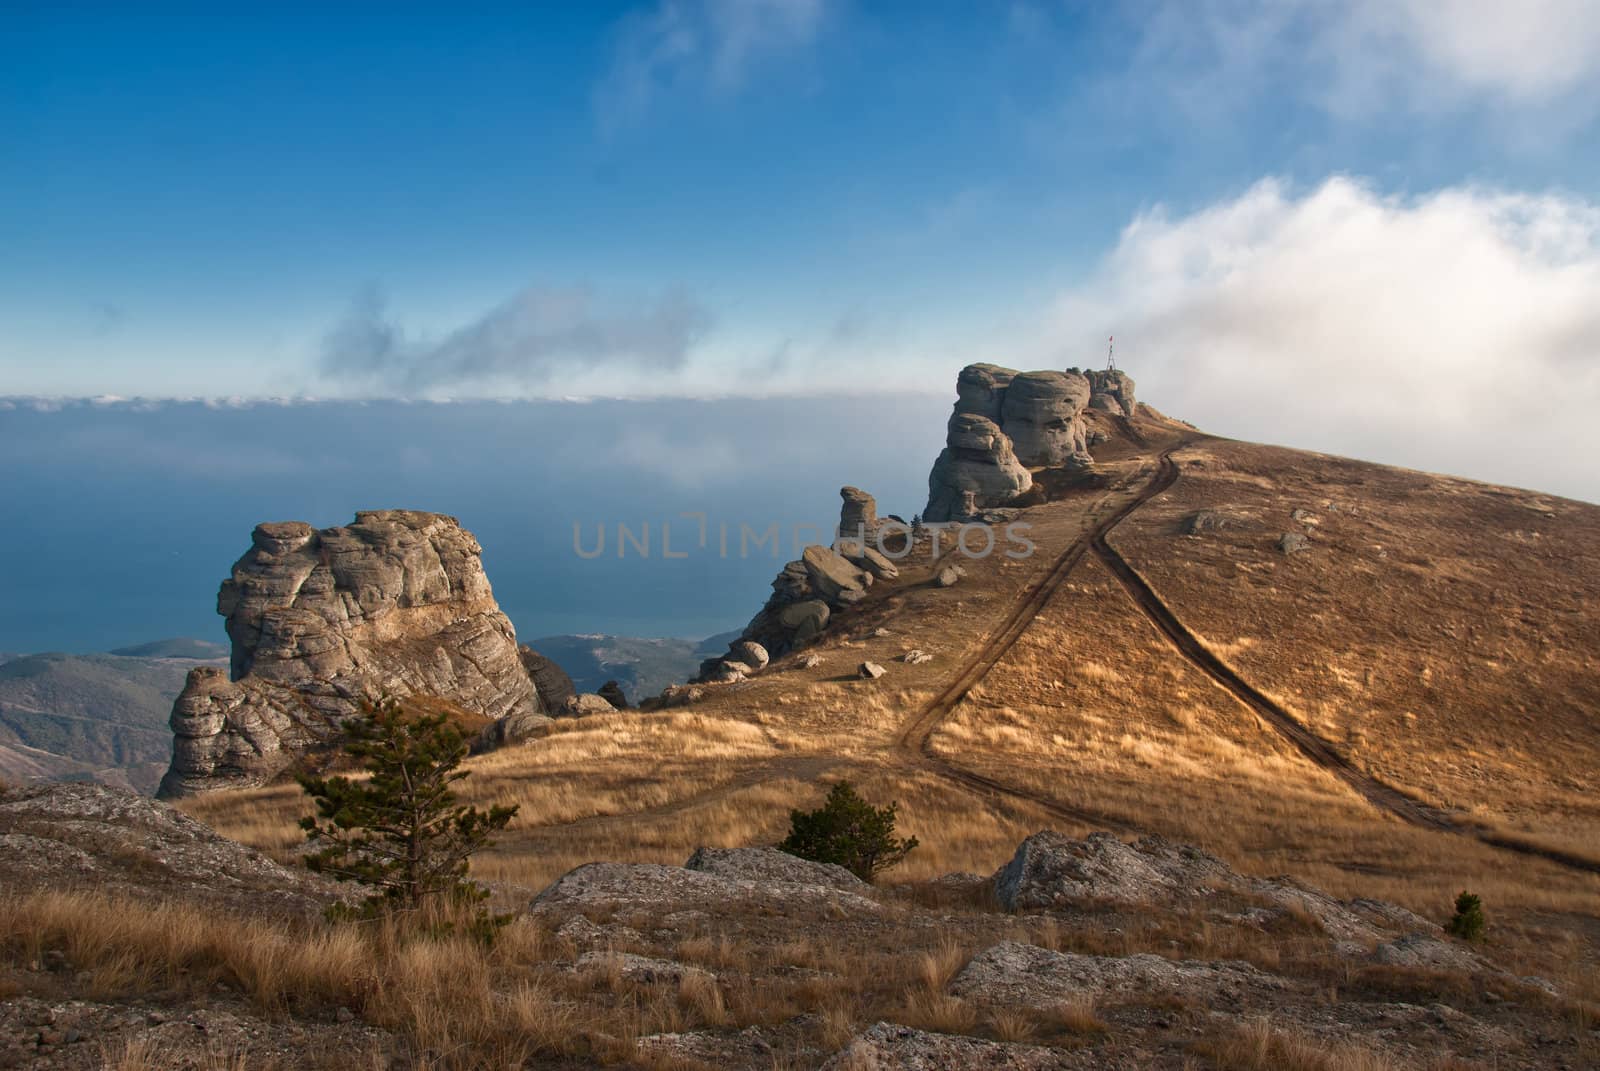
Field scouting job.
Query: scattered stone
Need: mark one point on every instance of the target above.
(1205, 520)
(641, 885)
(947, 577)
(869, 671)
(1293, 543)
(880, 633)
(612, 693)
(640, 970)
(810, 661)
(1303, 516)
(916, 657)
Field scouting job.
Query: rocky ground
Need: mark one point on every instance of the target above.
(1078, 953)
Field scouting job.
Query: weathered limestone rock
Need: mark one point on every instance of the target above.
(549, 680)
(1017, 975)
(1111, 391)
(804, 619)
(858, 516)
(1293, 543)
(977, 457)
(750, 653)
(832, 575)
(869, 671)
(586, 703)
(772, 865)
(981, 389)
(1042, 414)
(396, 602)
(888, 1047)
(863, 556)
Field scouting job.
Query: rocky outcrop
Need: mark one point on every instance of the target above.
(772, 865)
(612, 693)
(858, 515)
(977, 458)
(1016, 975)
(1042, 414)
(889, 1047)
(1111, 391)
(1006, 422)
(395, 603)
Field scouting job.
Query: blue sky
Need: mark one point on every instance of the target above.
(787, 196)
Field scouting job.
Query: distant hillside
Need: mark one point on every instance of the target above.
(93, 717)
(642, 666)
(181, 647)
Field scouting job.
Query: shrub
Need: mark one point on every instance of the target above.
(849, 831)
(1468, 922)
(400, 830)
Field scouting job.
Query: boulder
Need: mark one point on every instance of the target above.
(551, 681)
(1111, 391)
(832, 575)
(729, 671)
(805, 619)
(1205, 520)
(1016, 975)
(977, 457)
(1042, 417)
(612, 693)
(811, 661)
(858, 516)
(1293, 543)
(870, 671)
(772, 865)
(586, 703)
(915, 657)
(1050, 869)
(395, 603)
(750, 653)
(947, 576)
(864, 557)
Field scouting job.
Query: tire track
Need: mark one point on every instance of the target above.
(915, 736)
(1317, 750)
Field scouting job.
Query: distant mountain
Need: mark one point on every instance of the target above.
(181, 647)
(94, 717)
(642, 666)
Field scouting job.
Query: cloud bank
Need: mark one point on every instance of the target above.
(537, 336)
(1457, 331)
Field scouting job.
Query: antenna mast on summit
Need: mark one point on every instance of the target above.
(1111, 353)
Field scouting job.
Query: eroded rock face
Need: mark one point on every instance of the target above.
(1042, 414)
(1111, 391)
(395, 603)
(977, 458)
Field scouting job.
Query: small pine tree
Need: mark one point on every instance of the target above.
(1468, 922)
(400, 830)
(849, 831)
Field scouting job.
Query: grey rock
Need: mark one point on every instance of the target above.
(805, 619)
(1205, 520)
(640, 970)
(750, 653)
(915, 657)
(978, 457)
(832, 575)
(1293, 543)
(887, 1047)
(772, 865)
(1019, 975)
(549, 679)
(981, 390)
(1050, 869)
(858, 515)
(586, 703)
(395, 603)
(612, 693)
(1112, 391)
(1042, 414)
(811, 661)
(865, 557)
(947, 576)
(677, 888)
(870, 671)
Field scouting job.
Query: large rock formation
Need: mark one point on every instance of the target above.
(1111, 391)
(978, 457)
(396, 602)
(1004, 423)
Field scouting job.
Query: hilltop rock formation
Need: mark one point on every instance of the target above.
(396, 602)
(858, 517)
(1006, 422)
(1111, 391)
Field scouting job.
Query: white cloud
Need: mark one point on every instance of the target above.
(705, 45)
(1358, 57)
(1457, 331)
